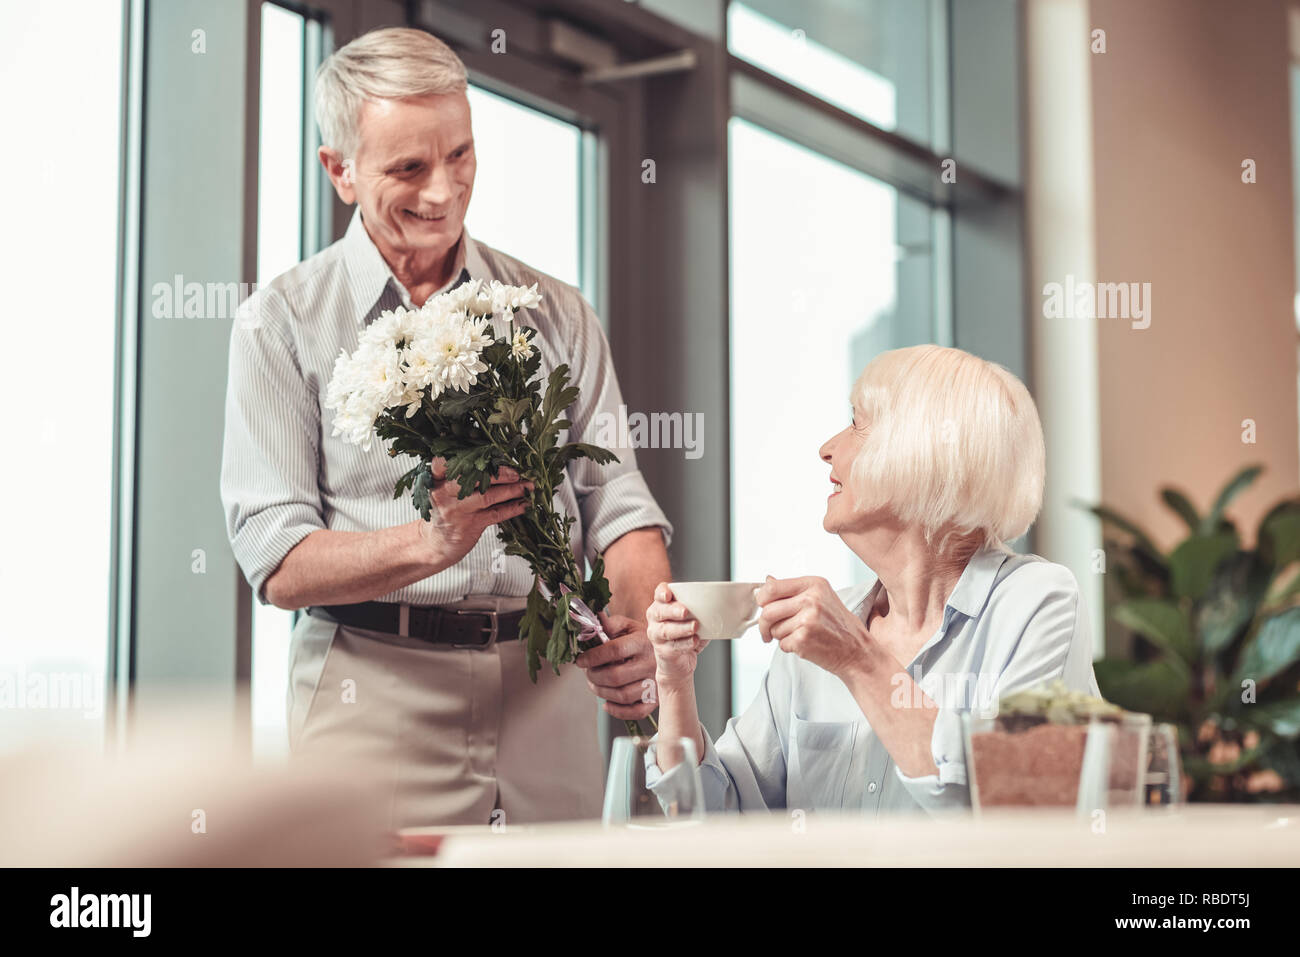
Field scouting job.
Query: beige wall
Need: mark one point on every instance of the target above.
(1186, 90)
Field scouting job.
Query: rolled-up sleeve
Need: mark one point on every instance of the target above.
(613, 499)
(270, 452)
(1053, 643)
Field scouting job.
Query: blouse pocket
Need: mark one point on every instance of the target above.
(820, 756)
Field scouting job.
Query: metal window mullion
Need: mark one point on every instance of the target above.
(316, 194)
(119, 669)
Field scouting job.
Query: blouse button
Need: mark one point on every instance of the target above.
(871, 787)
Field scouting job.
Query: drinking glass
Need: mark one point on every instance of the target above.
(1164, 777)
(676, 798)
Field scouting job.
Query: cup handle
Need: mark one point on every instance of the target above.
(752, 620)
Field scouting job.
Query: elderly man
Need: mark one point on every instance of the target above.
(409, 654)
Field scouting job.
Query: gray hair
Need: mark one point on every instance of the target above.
(388, 64)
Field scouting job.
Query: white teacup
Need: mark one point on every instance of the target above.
(724, 609)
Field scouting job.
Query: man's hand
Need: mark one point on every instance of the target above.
(455, 524)
(622, 670)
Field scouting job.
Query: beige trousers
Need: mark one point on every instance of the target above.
(458, 736)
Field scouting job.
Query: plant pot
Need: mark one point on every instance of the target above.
(1029, 761)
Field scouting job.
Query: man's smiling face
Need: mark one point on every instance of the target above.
(414, 172)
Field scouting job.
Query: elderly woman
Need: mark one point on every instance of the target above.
(941, 465)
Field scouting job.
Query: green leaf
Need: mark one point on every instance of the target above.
(1158, 688)
(533, 630)
(1284, 588)
(472, 468)
(1180, 504)
(1231, 601)
(595, 591)
(1193, 563)
(1235, 486)
(1283, 758)
(1279, 534)
(408, 479)
(1159, 620)
(1201, 768)
(420, 489)
(1273, 649)
(456, 404)
(1280, 717)
(1140, 537)
(1128, 582)
(559, 395)
(557, 649)
(581, 450)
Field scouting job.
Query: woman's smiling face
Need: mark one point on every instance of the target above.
(839, 451)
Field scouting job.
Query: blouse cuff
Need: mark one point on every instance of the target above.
(665, 784)
(947, 788)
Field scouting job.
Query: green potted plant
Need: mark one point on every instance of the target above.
(1218, 641)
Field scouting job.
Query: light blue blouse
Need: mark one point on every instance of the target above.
(1012, 622)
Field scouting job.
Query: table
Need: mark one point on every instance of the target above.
(1191, 836)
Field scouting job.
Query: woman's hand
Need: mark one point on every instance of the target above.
(807, 618)
(673, 632)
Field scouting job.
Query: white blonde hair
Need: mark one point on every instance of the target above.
(953, 444)
(388, 64)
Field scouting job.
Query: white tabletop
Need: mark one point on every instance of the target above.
(1193, 836)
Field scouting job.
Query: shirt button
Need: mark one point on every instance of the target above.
(871, 787)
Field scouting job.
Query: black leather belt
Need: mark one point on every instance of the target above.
(457, 628)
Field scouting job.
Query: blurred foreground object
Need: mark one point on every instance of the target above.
(1195, 836)
(181, 794)
(1054, 747)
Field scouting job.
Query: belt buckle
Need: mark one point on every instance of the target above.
(491, 630)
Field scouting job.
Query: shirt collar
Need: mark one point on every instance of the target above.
(976, 582)
(968, 597)
(369, 275)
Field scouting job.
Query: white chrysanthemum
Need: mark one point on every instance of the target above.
(525, 297)
(519, 346)
(472, 298)
(510, 299)
(479, 333)
(390, 328)
(362, 387)
(500, 294)
(441, 348)
(480, 304)
(447, 356)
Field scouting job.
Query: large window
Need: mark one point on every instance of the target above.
(881, 60)
(55, 568)
(529, 187)
(830, 266)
